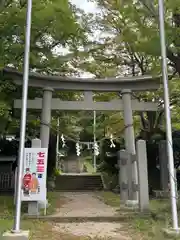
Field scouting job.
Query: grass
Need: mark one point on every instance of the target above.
(55, 201)
(88, 163)
(7, 205)
(38, 229)
(149, 228)
(110, 198)
(138, 227)
(89, 167)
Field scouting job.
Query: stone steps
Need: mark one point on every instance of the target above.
(121, 216)
(79, 182)
(79, 219)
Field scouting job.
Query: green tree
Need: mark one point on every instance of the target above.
(129, 44)
(55, 26)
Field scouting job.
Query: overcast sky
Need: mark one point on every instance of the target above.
(88, 7)
(85, 5)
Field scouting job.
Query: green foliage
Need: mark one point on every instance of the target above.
(129, 44)
(54, 26)
(109, 157)
(143, 226)
(57, 172)
(49, 30)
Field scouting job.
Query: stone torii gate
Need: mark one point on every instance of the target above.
(124, 85)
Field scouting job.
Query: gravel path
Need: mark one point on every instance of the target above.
(87, 205)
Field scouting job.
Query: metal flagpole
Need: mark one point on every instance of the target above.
(94, 132)
(23, 117)
(168, 117)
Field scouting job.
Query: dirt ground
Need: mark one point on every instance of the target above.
(86, 206)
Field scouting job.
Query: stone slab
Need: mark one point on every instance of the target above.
(163, 161)
(33, 208)
(43, 205)
(22, 235)
(142, 175)
(123, 177)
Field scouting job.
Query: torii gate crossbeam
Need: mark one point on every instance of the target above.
(114, 105)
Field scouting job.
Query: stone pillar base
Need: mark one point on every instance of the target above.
(22, 235)
(170, 232)
(161, 194)
(132, 204)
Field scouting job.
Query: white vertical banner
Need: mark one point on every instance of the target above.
(34, 174)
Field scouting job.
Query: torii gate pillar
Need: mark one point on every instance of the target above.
(46, 117)
(130, 146)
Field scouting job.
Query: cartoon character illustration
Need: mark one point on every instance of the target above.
(34, 184)
(26, 181)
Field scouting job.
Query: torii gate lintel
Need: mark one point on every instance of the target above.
(113, 84)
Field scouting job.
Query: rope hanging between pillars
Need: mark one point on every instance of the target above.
(77, 143)
(75, 140)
